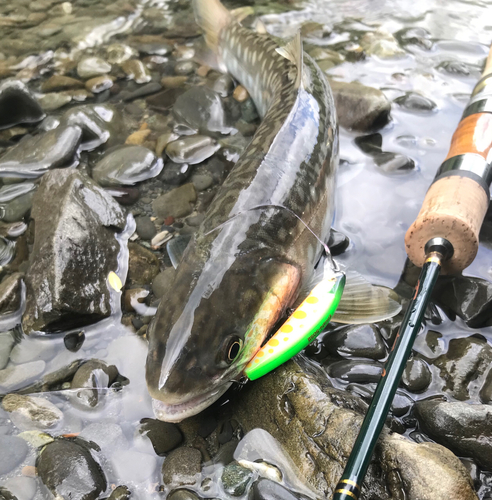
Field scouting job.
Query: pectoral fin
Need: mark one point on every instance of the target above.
(363, 302)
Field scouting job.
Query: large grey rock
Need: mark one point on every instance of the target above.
(464, 428)
(74, 251)
(359, 107)
(69, 471)
(317, 425)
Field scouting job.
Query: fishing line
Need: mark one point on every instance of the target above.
(323, 244)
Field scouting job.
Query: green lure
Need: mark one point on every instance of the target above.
(302, 327)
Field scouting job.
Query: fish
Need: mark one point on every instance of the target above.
(262, 235)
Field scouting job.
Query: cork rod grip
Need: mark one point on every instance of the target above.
(455, 205)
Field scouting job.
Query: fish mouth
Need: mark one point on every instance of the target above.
(192, 406)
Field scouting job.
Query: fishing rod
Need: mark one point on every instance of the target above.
(443, 238)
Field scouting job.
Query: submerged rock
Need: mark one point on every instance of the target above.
(181, 467)
(135, 70)
(192, 150)
(17, 451)
(69, 471)
(177, 203)
(90, 67)
(360, 107)
(464, 428)
(202, 109)
(33, 156)
(127, 165)
(60, 82)
(294, 404)
(29, 412)
(265, 489)
(92, 378)
(356, 340)
(143, 265)
(16, 201)
(17, 105)
(74, 251)
(412, 101)
(7, 342)
(387, 161)
(382, 44)
(235, 479)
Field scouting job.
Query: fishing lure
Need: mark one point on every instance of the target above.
(302, 327)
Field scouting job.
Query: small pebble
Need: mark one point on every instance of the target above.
(240, 93)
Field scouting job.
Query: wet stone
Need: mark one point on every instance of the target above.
(382, 44)
(202, 109)
(265, 489)
(181, 467)
(107, 435)
(68, 249)
(464, 428)
(224, 85)
(202, 181)
(355, 371)
(127, 166)
(338, 242)
(133, 297)
(176, 173)
(23, 488)
(120, 493)
(363, 341)
(143, 265)
(412, 101)
(17, 105)
(469, 298)
(135, 70)
(360, 107)
(165, 100)
(90, 378)
(59, 82)
(182, 494)
(179, 202)
(416, 376)
(54, 101)
(29, 412)
(235, 479)
(184, 67)
(163, 140)
(118, 52)
(173, 82)
(145, 228)
(465, 361)
(67, 468)
(155, 48)
(143, 91)
(10, 294)
(124, 196)
(162, 282)
(99, 84)
(90, 67)
(18, 450)
(415, 36)
(163, 435)
(192, 150)
(73, 341)
(6, 344)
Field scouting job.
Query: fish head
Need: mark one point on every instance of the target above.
(208, 328)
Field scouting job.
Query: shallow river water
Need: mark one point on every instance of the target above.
(440, 49)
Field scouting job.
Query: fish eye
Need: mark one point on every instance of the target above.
(232, 348)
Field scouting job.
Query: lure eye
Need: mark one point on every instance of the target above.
(233, 347)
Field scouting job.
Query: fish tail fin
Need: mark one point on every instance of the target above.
(293, 52)
(212, 17)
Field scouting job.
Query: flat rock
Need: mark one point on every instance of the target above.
(28, 412)
(464, 428)
(126, 166)
(90, 67)
(177, 203)
(192, 150)
(294, 404)
(74, 251)
(360, 107)
(60, 82)
(35, 155)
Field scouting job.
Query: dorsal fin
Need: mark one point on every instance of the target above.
(293, 52)
(260, 27)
